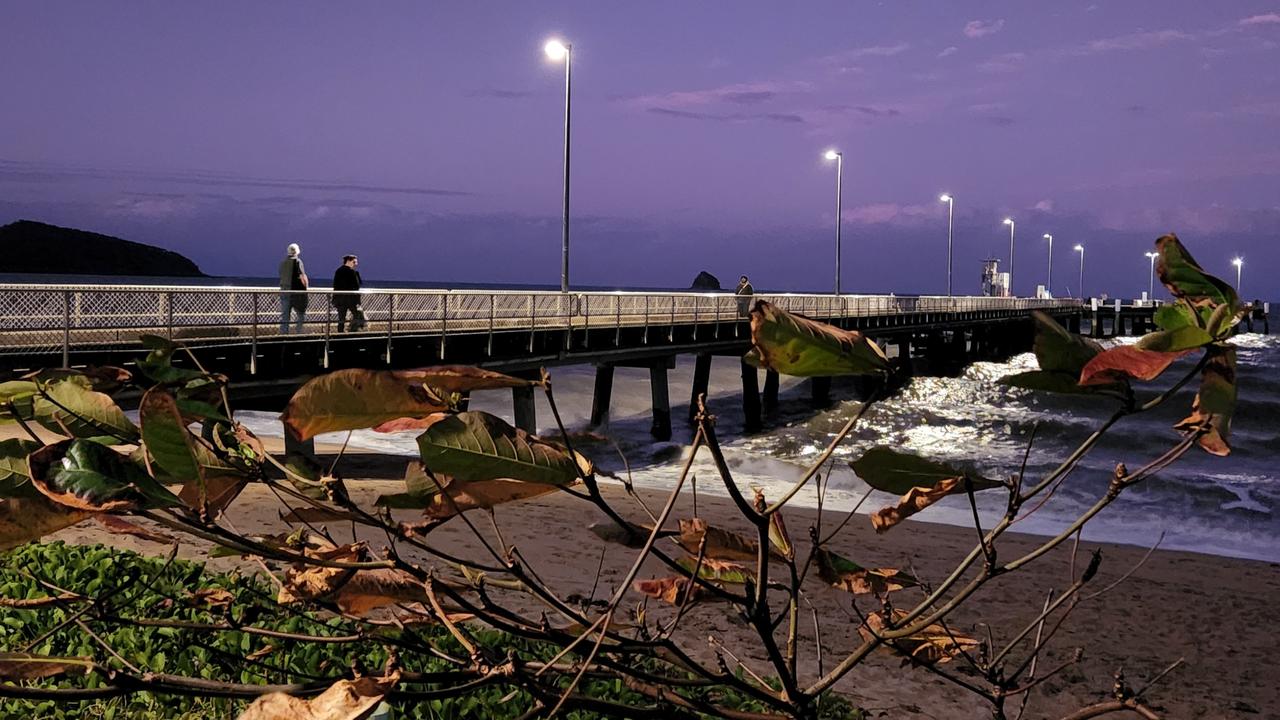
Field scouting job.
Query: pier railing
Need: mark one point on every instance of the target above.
(36, 319)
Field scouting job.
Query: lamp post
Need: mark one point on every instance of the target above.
(1239, 263)
(1049, 282)
(1151, 279)
(951, 208)
(839, 158)
(557, 50)
(1009, 221)
(1080, 249)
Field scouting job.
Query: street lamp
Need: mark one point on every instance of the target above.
(1239, 263)
(1049, 283)
(1080, 249)
(951, 208)
(557, 50)
(839, 158)
(1009, 221)
(1151, 279)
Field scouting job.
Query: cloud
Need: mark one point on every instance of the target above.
(1267, 19)
(981, 28)
(726, 117)
(1043, 206)
(1007, 62)
(1145, 40)
(949, 51)
(877, 111)
(502, 94)
(890, 214)
(737, 93)
(871, 51)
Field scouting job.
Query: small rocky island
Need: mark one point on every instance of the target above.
(36, 247)
(705, 281)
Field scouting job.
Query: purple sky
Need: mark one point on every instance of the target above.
(427, 136)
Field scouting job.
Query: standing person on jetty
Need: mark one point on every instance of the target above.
(744, 293)
(346, 286)
(293, 281)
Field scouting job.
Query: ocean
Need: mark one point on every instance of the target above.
(1220, 506)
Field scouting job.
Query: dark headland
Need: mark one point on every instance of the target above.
(36, 247)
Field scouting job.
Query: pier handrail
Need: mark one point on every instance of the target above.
(48, 318)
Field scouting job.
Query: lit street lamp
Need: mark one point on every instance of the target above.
(1080, 249)
(951, 208)
(1009, 222)
(839, 158)
(1049, 282)
(1239, 263)
(1151, 279)
(557, 50)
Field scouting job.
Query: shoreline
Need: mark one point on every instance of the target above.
(1214, 612)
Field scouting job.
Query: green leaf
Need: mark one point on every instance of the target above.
(1185, 279)
(894, 472)
(158, 365)
(795, 345)
(354, 399)
(14, 473)
(166, 436)
(718, 570)
(1058, 350)
(21, 393)
(67, 407)
(1058, 382)
(85, 475)
(1175, 316)
(1188, 337)
(474, 446)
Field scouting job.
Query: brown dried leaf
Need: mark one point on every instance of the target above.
(670, 590)
(344, 700)
(30, 518)
(930, 646)
(720, 544)
(28, 666)
(845, 574)
(916, 499)
(354, 591)
(212, 597)
(119, 525)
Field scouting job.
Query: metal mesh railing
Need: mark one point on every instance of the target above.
(37, 319)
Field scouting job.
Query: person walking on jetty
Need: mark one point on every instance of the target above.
(744, 293)
(346, 289)
(293, 281)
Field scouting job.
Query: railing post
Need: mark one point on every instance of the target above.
(489, 345)
(671, 331)
(253, 343)
(533, 316)
(617, 321)
(696, 298)
(391, 322)
(646, 319)
(586, 321)
(716, 335)
(168, 313)
(324, 361)
(444, 321)
(66, 328)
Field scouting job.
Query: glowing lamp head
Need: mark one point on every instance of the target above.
(1008, 221)
(1237, 261)
(832, 155)
(1079, 248)
(1152, 255)
(944, 197)
(1047, 236)
(555, 49)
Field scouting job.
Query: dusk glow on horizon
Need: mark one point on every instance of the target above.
(428, 138)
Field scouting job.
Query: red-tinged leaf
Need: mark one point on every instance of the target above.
(1120, 364)
(354, 399)
(778, 537)
(671, 590)
(407, 423)
(119, 526)
(848, 575)
(1214, 404)
(464, 378)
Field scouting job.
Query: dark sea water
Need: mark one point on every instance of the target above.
(1221, 506)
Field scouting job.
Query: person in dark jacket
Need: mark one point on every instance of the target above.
(744, 293)
(346, 289)
(293, 283)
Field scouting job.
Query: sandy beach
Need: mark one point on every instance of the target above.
(1217, 614)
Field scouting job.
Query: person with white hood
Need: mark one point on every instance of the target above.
(293, 286)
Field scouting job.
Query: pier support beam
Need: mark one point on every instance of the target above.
(770, 403)
(661, 428)
(293, 446)
(525, 409)
(750, 399)
(821, 392)
(602, 395)
(701, 379)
